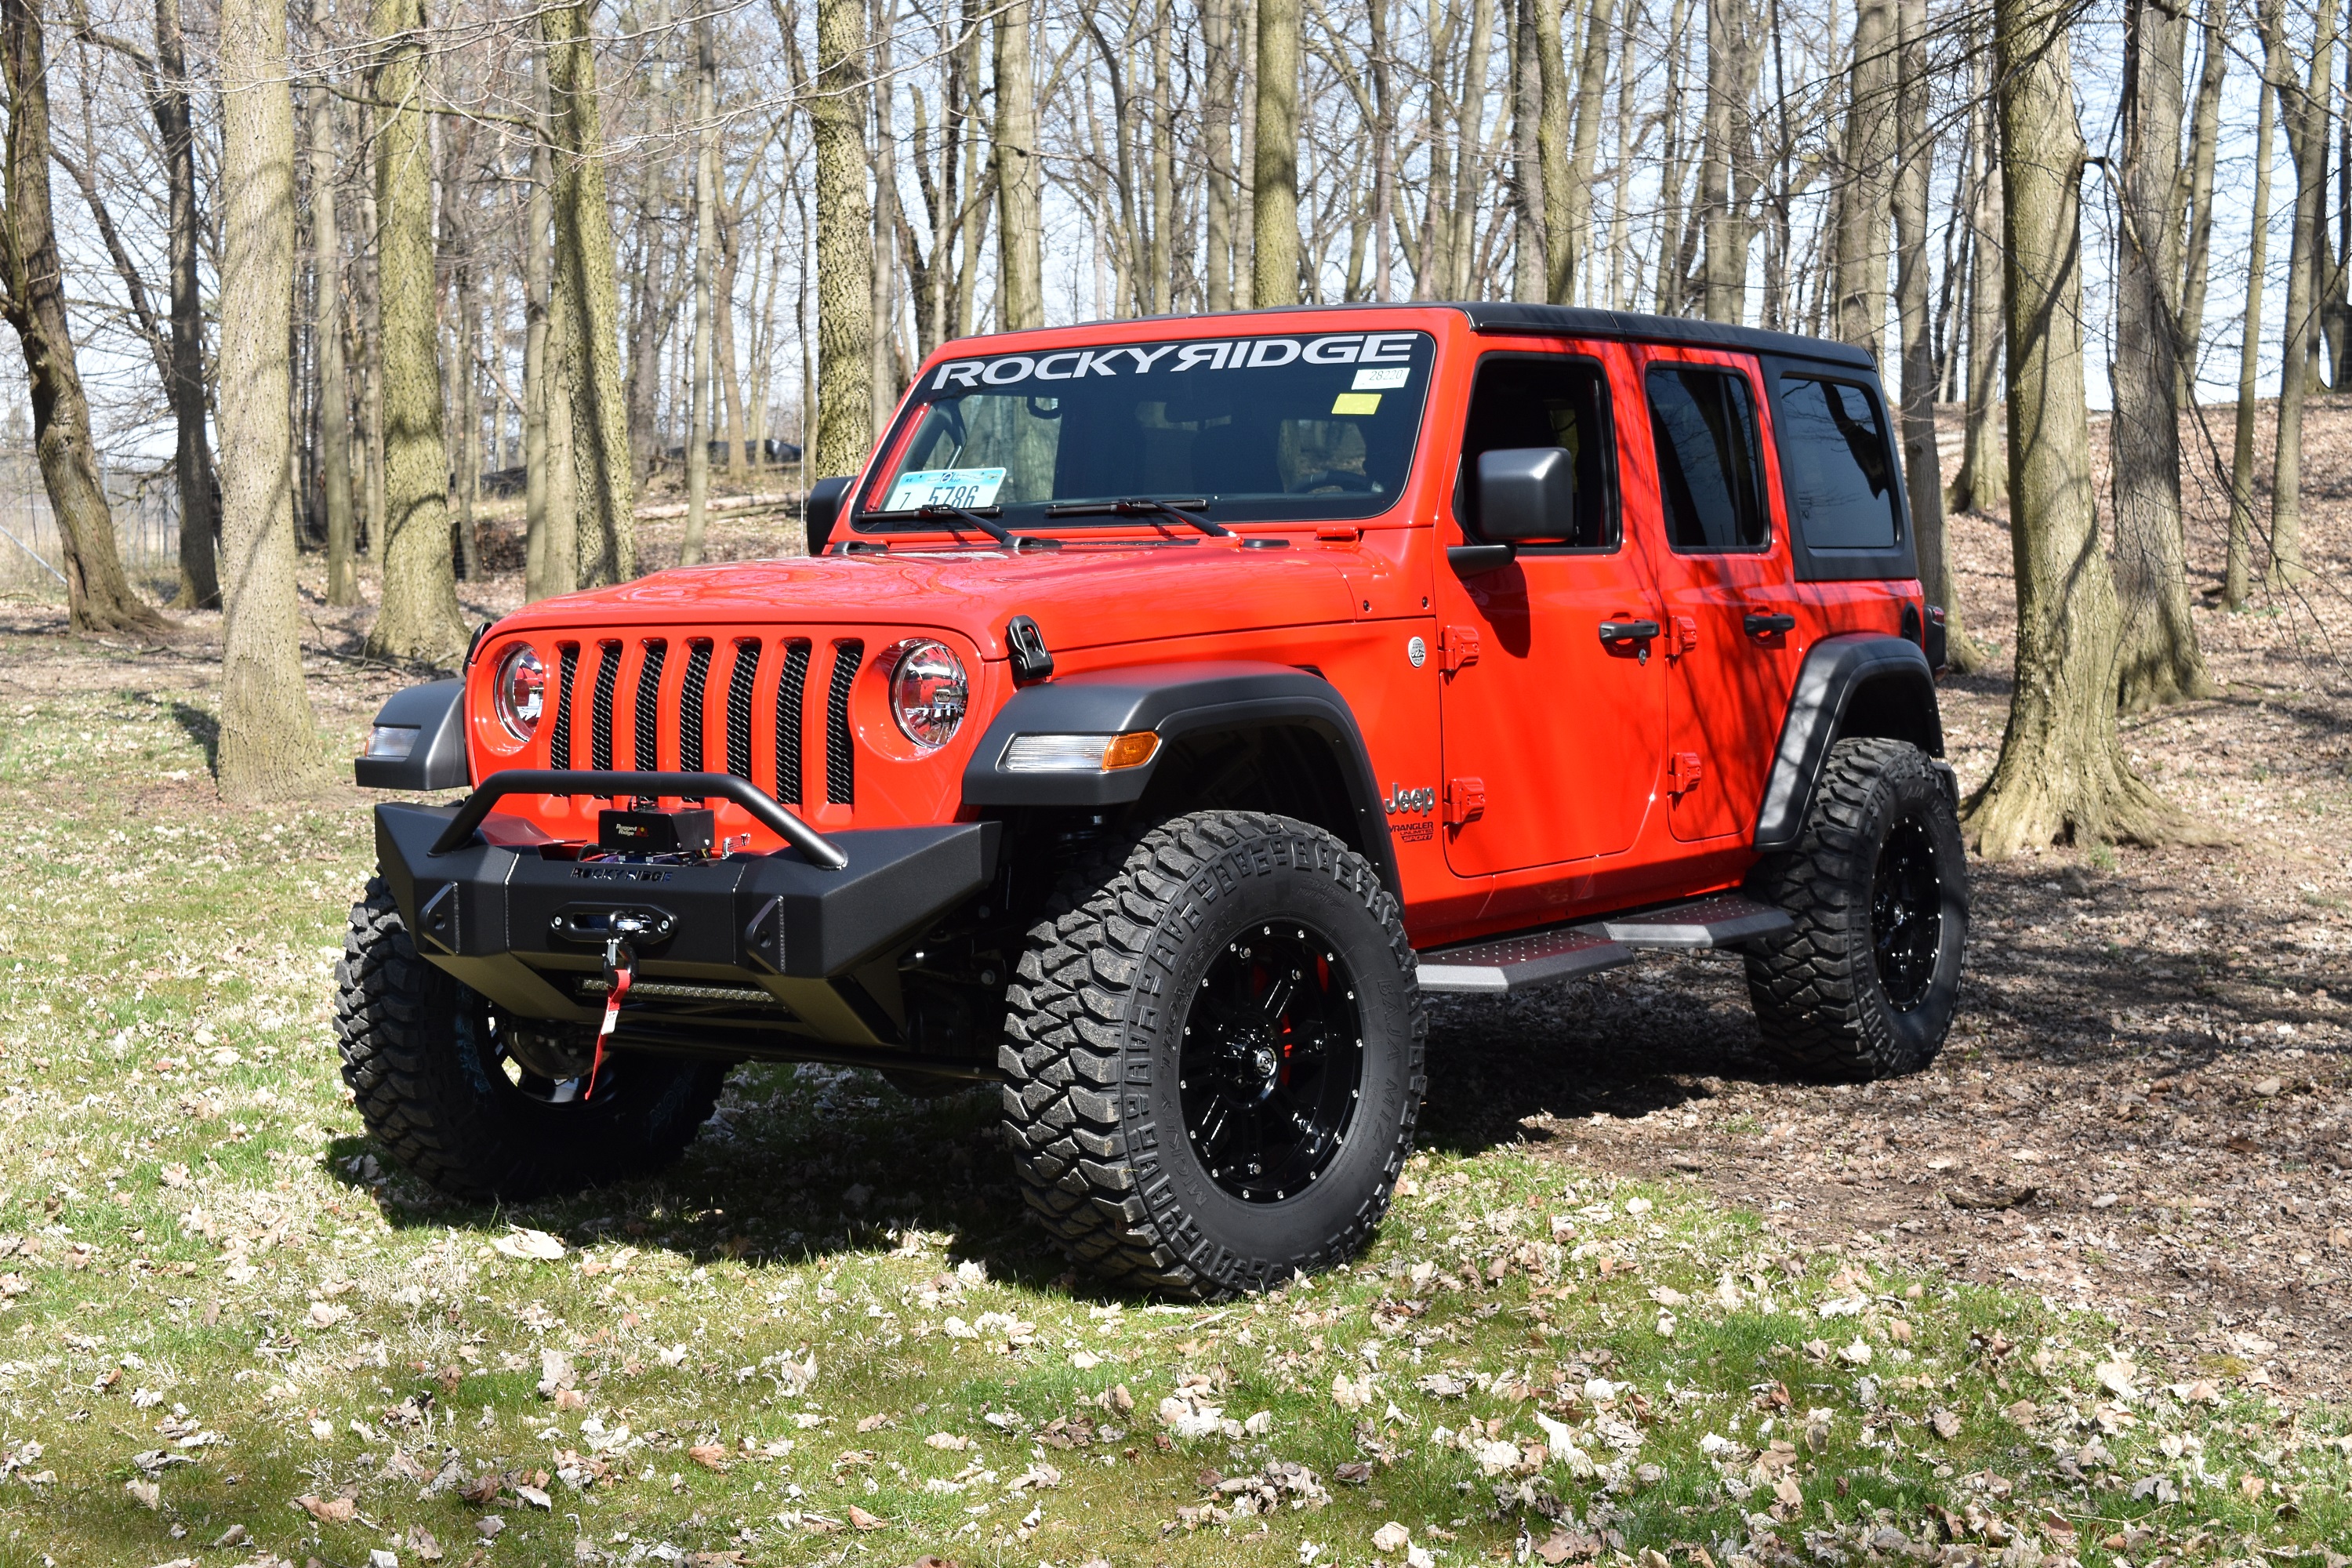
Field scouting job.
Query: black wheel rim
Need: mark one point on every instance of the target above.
(1273, 1062)
(546, 1063)
(1907, 915)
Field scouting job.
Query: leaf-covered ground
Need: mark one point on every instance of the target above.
(229, 1335)
(2076, 1293)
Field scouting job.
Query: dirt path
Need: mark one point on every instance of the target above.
(2144, 1107)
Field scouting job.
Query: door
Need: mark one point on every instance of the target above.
(1732, 638)
(1551, 730)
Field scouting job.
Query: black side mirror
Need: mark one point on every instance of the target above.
(1526, 492)
(823, 506)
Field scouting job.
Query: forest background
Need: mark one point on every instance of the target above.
(324, 278)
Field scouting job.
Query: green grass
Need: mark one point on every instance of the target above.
(202, 1249)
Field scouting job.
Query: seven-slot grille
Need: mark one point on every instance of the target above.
(712, 713)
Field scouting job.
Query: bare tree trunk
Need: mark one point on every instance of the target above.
(1923, 475)
(268, 734)
(882, 384)
(2238, 573)
(2062, 775)
(1532, 263)
(605, 534)
(327, 304)
(550, 552)
(706, 234)
(2205, 136)
(1020, 228)
(2159, 660)
(1863, 191)
(1726, 251)
(1217, 135)
(844, 222)
(372, 350)
(32, 296)
(1576, 222)
(1163, 164)
(192, 458)
(419, 621)
(2307, 112)
(727, 371)
(1274, 265)
(1983, 481)
(1470, 134)
(1384, 147)
(1667, 291)
(1552, 134)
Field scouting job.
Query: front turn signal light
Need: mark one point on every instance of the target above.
(1131, 750)
(1079, 753)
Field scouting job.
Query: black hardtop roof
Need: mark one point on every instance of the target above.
(1501, 316)
(1578, 321)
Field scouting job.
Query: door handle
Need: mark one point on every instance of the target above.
(1764, 625)
(1615, 632)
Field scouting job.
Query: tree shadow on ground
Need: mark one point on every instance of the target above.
(797, 1165)
(199, 726)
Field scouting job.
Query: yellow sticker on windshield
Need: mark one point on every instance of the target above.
(1356, 402)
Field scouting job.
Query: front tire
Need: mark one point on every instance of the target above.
(1865, 985)
(1215, 1056)
(479, 1106)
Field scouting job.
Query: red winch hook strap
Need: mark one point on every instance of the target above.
(617, 962)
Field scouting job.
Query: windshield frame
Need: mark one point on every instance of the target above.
(1421, 347)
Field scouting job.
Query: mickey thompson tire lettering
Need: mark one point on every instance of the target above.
(1819, 997)
(1093, 1031)
(413, 1043)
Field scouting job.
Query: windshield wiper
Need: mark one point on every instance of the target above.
(987, 525)
(1142, 506)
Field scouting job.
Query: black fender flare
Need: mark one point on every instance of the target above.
(436, 760)
(1172, 701)
(1837, 670)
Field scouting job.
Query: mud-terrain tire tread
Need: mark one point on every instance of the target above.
(1066, 1018)
(412, 1094)
(1814, 988)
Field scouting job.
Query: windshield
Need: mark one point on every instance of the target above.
(1248, 429)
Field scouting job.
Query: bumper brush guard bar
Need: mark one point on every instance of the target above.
(814, 846)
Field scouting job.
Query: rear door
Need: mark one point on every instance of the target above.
(1551, 735)
(1734, 632)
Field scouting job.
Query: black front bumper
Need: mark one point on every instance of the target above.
(808, 952)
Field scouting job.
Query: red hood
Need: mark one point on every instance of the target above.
(1081, 597)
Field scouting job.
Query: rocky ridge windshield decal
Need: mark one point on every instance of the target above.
(1393, 349)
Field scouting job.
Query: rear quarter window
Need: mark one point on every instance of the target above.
(1836, 464)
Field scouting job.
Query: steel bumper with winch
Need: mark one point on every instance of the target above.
(803, 941)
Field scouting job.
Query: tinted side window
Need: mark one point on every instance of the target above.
(1833, 454)
(1709, 481)
(1544, 402)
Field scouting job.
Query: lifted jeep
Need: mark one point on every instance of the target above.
(1168, 707)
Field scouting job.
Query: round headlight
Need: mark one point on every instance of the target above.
(519, 690)
(928, 692)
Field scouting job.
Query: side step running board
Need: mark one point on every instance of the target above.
(1507, 964)
(1720, 920)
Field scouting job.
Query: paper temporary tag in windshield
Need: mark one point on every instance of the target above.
(1356, 402)
(945, 487)
(1387, 378)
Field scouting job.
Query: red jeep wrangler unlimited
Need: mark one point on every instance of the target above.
(1167, 707)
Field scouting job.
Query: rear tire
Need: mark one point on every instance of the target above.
(477, 1107)
(1214, 1053)
(1865, 985)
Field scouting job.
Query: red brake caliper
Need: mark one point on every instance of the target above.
(617, 966)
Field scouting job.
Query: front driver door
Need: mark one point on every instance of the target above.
(1553, 735)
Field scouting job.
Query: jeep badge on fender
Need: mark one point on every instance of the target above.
(1069, 767)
